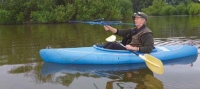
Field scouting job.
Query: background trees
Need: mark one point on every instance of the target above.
(59, 11)
(172, 7)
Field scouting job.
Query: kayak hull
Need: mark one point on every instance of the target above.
(99, 55)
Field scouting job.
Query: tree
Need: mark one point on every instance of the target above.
(139, 4)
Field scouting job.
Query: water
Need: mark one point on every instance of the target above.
(22, 68)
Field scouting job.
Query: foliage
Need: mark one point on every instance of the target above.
(155, 8)
(59, 11)
(168, 10)
(108, 9)
(63, 13)
(159, 7)
(127, 10)
(85, 9)
(194, 9)
(13, 10)
(181, 9)
(42, 16)
(5, 16)
(139, 4)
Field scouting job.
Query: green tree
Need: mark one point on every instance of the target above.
(168, 10)
(139, 4)
(194, 9)
(181, 9)
(127, 9)
(15, 10)
(155, 8)
(59, 11)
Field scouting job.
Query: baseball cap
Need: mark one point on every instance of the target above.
(140, 14)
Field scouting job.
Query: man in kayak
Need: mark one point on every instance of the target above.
(139, 38)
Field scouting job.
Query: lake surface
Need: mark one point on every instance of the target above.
(22, 68)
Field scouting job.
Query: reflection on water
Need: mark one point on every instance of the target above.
(119, 75)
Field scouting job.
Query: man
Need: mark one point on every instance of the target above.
(139, 38)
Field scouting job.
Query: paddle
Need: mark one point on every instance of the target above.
(152, 63)
(96, 20)
(101, 22)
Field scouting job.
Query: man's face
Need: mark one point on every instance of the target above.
(139, 20)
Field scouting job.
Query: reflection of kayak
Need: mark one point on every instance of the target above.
(51, 68)
(181, 61)
(99, 55)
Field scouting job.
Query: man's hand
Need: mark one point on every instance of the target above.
(129, 47)
(109, 28)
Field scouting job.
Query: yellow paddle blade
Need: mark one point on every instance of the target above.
(154, 64)
(111, 38)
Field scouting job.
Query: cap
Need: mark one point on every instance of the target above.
(140, 14)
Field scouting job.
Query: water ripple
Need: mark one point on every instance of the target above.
(178, 41)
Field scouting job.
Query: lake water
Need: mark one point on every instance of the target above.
(22, 68)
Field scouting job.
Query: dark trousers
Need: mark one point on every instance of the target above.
(114, 45)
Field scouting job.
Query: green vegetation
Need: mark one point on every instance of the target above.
(160, 7)
(59, 11)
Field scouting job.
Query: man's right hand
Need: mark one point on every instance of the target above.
(109, 28)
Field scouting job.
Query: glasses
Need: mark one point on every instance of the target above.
(138, 14)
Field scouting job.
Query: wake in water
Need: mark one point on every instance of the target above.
(178, 41)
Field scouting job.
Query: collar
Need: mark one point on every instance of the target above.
(141, 28)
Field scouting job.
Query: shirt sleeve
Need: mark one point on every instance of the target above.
(123, 33)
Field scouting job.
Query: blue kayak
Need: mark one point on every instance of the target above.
(98, 55)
